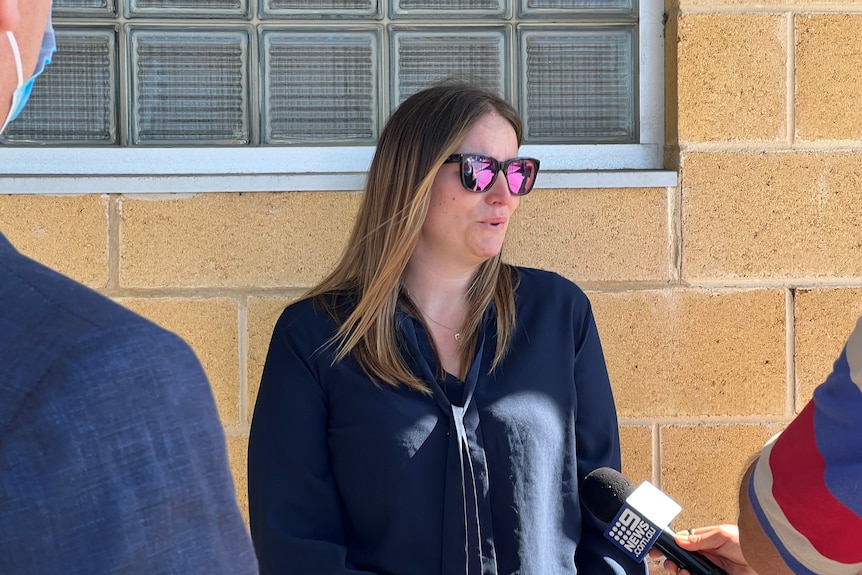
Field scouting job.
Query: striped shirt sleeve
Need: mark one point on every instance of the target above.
(806, 489)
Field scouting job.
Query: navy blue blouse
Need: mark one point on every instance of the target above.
(346, 477)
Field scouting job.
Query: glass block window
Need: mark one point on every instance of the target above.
(578, 85)
(423, 56)
(77, 101)
(189, 86)
(593, 7)
(187, 8)
(332, 96)
(245, 73)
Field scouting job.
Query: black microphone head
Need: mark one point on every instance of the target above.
(604, 491)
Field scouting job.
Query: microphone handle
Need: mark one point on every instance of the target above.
(695, 563)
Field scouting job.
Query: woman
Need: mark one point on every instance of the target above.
(419, 407)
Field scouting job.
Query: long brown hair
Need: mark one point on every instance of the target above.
(422, 132)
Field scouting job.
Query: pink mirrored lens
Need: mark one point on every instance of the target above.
(520, 176)
(479, 172)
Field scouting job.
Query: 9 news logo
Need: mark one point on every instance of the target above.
(632, 533)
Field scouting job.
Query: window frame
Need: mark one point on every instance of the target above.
(102, 170)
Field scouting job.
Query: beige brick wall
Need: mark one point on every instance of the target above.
(721, 303)
(767, 106)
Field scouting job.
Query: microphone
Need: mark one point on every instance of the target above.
(637, 519)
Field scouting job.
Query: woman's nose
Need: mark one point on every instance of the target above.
(499, 192)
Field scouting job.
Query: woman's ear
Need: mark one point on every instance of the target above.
(9, 16)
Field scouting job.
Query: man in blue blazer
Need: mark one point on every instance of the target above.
(112, 455)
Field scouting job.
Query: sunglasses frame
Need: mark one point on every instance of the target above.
(500, 167)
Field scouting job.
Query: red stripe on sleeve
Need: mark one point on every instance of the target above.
(799, 489)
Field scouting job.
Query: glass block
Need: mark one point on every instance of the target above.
(74, 100)
(421, 57)
(581, 8)
(97, 8)
(320, 86)
(329, 9)
(187, 8)
(451, 8)
(579, 85)
(189, 86)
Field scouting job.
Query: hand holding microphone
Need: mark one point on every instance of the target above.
(637, 520)
(718, 543)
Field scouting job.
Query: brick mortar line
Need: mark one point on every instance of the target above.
(205, 292)
(790, 88)
(113, 214)
(675, 231)
(790, 353)
(737, 286)
(636, 287)
(777, 10)
(851, 282)
(655, 441)
(243, 345)
(774, 147)
(706, 421)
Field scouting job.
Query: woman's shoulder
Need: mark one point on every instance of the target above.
(314, 315)
(538, 282)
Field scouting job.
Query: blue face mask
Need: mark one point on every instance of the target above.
(22, 92)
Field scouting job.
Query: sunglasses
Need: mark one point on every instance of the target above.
(479, 172)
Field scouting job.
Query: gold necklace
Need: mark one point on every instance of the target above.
(426, 316)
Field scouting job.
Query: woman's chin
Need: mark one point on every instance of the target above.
(484, 253)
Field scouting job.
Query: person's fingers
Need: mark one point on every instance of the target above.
(710, 537)
(694, 541)
(698, 530)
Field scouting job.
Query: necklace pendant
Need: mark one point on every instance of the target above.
(458, 336)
